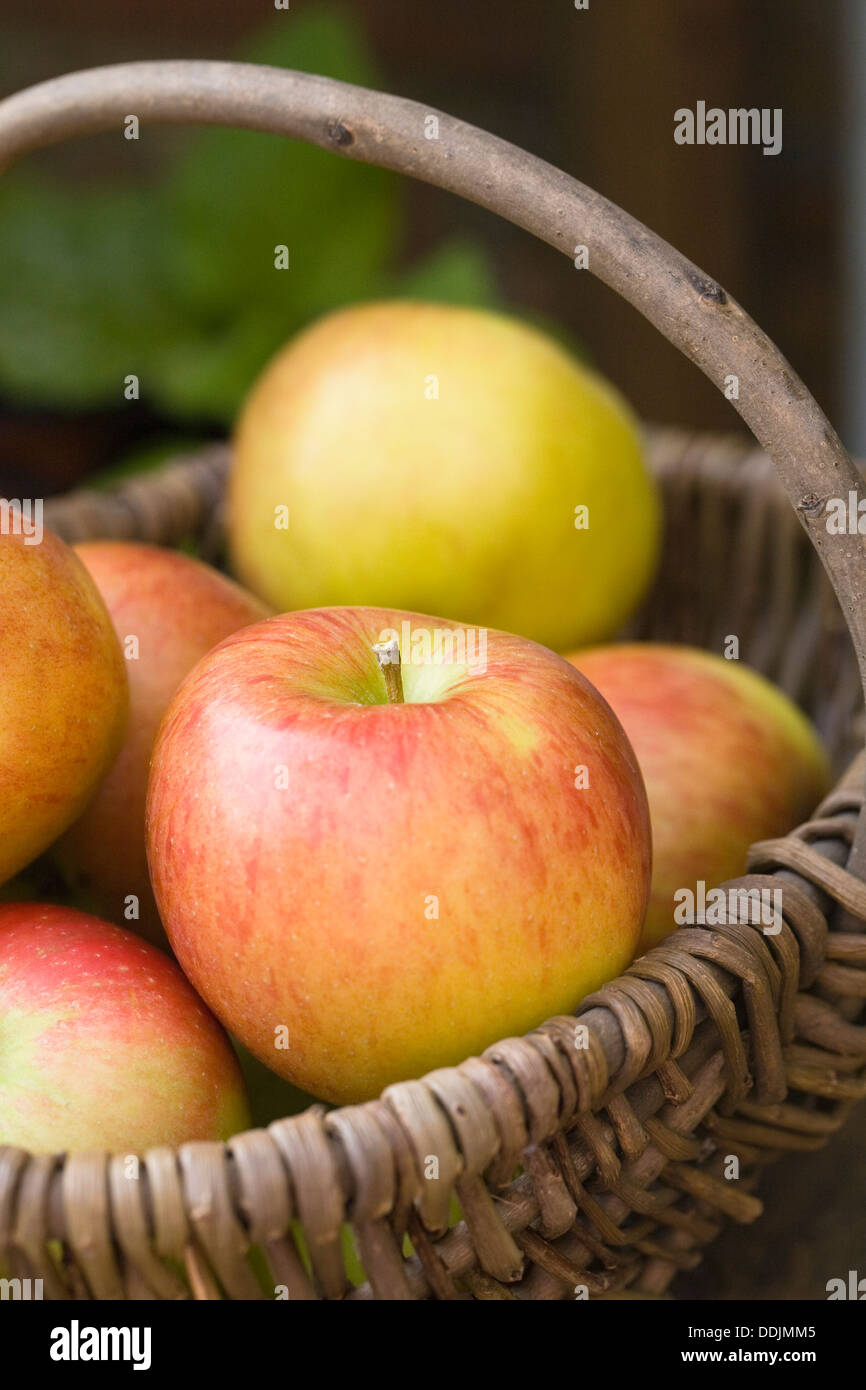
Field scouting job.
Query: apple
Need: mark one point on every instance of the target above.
(168, 610)
(509, 478)
(63, 701)
(726, 757)
(105, 1043)
(370, 870)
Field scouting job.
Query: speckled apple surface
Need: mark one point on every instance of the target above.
(362, 890)
(177, 609)
(466, 438)
(103, 1042)
(726, 757)
(63, 698)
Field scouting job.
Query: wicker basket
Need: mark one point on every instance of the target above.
(600, 1167)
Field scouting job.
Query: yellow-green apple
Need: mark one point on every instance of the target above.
(63, 698)
(106, 1045)
(168, 610)
(508, 477)
(726, 757)
(369, 877)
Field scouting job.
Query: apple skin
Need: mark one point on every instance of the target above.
(105, 1043)
(64, 695)
(726, 757)
(178, 608)
(476, 490)
(303, 833)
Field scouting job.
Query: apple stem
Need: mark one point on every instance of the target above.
(388, 657)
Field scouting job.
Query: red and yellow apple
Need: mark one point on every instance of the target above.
(105, 1044)
(726, 757)
(363, 889)
(168, 611)
(63, 700)
(509, 477)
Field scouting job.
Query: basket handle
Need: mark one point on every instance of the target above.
(683, 303)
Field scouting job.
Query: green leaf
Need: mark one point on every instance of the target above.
(457, 273)
(178, 284)
(236, 196)
(79, 303)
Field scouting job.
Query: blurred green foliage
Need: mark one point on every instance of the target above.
(271, 1098)
(176, 282)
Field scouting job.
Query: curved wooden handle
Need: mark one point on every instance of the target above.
(686, 305)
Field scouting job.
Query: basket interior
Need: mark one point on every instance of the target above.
(612, 1177)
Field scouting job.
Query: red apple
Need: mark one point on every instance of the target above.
(63, 700)
(362, 889)
(105, 1043)
(726, 757)
(168, 610)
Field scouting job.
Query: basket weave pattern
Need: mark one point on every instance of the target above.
(594, 1153)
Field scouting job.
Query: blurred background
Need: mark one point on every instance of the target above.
(121, 257)
(154, 257)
